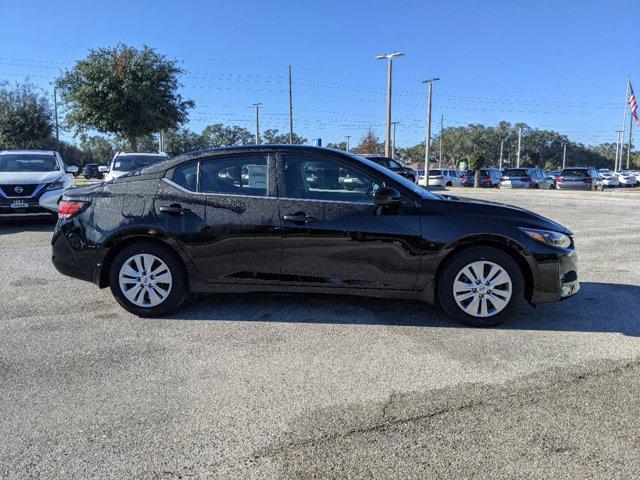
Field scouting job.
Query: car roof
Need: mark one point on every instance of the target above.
(264, 149)
(27, 152)
(151, 154)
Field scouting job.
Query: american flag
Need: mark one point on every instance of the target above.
(634, 104)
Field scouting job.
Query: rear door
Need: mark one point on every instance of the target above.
(336, 236)
(223, 210)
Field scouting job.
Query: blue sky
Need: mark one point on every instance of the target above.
(558, 65)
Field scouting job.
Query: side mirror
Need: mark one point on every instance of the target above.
(72, 169)
(386, 197)
(103, 169)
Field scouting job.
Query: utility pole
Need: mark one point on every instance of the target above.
(389, 57)
(393, 144)
(519, 145)
(55, 108)
(257, 105)
(428, 139)
(441, 133)
(290, 109)
(564, 156)
(501, 149)
(348, 137)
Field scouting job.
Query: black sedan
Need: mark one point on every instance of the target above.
(249, 219)
(394, 166)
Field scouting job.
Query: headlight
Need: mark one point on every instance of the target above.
(548, 237)
(57, 185)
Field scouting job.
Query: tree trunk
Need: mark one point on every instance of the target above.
(476, 179)
(133, 143)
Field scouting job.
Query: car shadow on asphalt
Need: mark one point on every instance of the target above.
(598, 308)
(19, 225)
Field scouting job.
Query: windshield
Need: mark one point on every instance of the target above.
(516, 172)
(408, 184)
(28, 162)
(127, 163)
(574, 172)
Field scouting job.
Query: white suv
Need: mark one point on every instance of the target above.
(446, 177)
(32, 182)
(124, 163)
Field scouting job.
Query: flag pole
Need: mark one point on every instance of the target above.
(624, 125)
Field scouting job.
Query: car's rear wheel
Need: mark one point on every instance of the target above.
(147, 279)
(481, 286)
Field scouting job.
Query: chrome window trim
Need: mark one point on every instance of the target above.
(186, 190)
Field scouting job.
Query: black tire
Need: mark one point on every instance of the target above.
(411, 178)
(178, 292)
(457, 263)
(448, 184)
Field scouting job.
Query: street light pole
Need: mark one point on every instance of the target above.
(348, 137)
(519, 146)
(389, 57)
(428, 139)
(501, 149)
(55, 108)
(290, 109)
(564, 156)
(393, 147)
(257, 105)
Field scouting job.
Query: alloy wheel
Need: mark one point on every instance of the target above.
(145, 280)
(482, 288)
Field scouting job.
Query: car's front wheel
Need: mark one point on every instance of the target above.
(481, 286)
(147, 279)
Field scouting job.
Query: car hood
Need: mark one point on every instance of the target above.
(28, 178)
(521, 216)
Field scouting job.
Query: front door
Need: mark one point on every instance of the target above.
(223, 211)
(334, 235)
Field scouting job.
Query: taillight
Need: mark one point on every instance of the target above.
(69, 209)
(588, 180)
(525, 179)
(559, 179)
(463, 179)
(486, 179)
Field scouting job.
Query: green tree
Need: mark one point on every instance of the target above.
(124, 91)
(338, 146)
(96, 149)
(477, 161)
(25, 117)
(273, 136)
(219, 135)
(178, 141)
(370, 145)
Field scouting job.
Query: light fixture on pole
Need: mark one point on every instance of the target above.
(389, 57)
(257, 105)
(428, 139)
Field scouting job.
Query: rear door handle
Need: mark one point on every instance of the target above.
(172, 209)
(299, 218)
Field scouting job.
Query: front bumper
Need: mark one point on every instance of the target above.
(558, 277)
(42, 204)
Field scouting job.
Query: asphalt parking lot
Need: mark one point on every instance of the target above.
(289, 386)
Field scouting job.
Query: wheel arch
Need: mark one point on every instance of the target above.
(122, 240)
(508, 246)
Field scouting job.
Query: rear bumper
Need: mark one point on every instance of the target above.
(70, 255)
(564, 186)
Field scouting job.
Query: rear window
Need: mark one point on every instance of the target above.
(516, 172)
(575, 172)
(433, 173)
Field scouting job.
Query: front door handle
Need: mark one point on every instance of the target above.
(173, 209)
(299, 218)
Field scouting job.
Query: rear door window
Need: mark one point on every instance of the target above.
(246, 175)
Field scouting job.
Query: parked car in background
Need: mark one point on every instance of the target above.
(189, 225)
(394, 166)
(526, 178)
(446, 177)
(92, 170)
(609, 179)
(627, 179)
(466, 177)
(124, 163)
(32, 182)
(579, 178)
